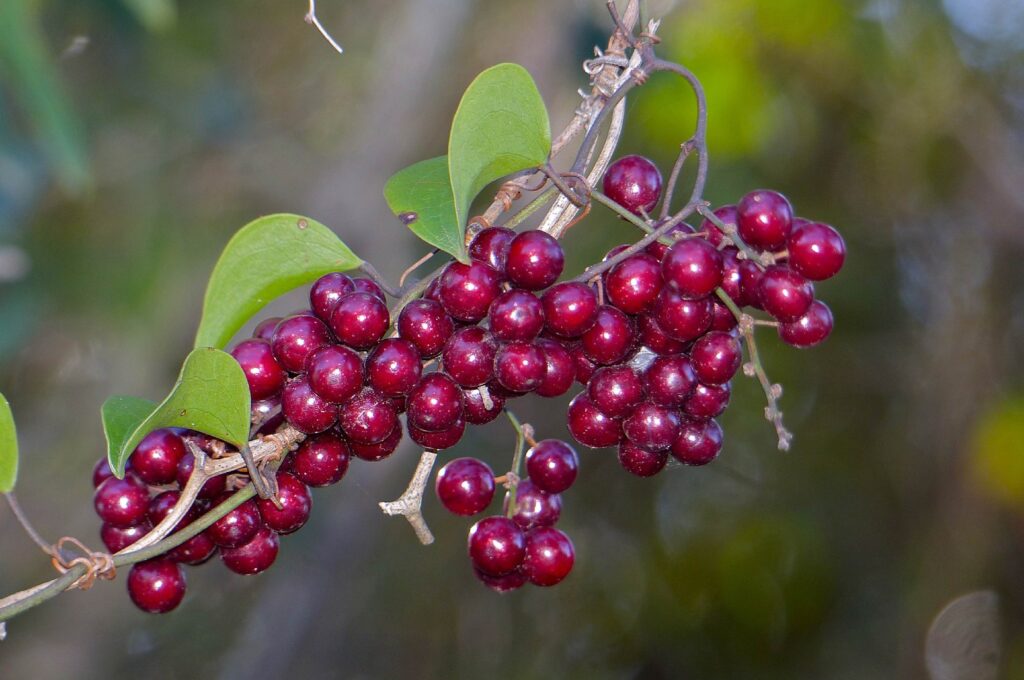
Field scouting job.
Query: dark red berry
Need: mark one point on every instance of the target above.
(634, 183)
(680, 318)
(639, 461)
(438, 441)
(668, 380)
(615, 390)
(633, 284)
(589, 426)
(504, 583)
(162, 504)
(816, 250)
(101, 471)
(651, 426)
(466, 291)
(196, 550)
(321, 460)
(296, 504)
(810, 329)
(393, 367)
(238, 527)
(650, 335)
(496, 545)
(520, 366)
(156, 586)
(534, 261)
(264, 375)
(213, 487)
(559, 369)
(426, 325)
(750, 282)
(584, 367)
(552, 465)
(435, 404)
(570, 308)
(365, 285)
(155, 460)
(117, 539)
(549, 556)
(534, 507)
(490, 246)
(255, 556)
(360, 320)
(722, 318)
(265, 329)
(610, 338)
(121, 502)
(477, 412)
(465, 486)
(707, 401)
(716, 357)
(468, 358)
(698, 442)
(732, 280)
(367, 418)
(693, 268)
(516, 315)
(336, 373)
(295, 338)
(785, 294)
(764, 219)
(306, 410)
(658, 250)
(727, 215)
(325, 293)
(380, 450)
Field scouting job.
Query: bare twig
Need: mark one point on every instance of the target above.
(379, 279)
(312, 20)
(22, 518)
(410, 503)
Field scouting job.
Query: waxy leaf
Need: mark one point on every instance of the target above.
(211, 396)
(8, 447)
(421, 196)
(266, 258)
(121, 415)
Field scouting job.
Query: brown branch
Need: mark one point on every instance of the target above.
(410, 503)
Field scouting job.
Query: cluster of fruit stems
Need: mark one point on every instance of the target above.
(610, 71)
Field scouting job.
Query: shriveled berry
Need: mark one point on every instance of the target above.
(155, 460)
(121, 502)
(610, 338)
(634, 284)
(785, 294)
(534, 260)
(320, 460)
(534, 507)
(367, 418)
(651, 426)
(810, 329)
(490, 246)
(570, 308)
(668, 380)
(435, 404)
(156, 586)
(295, 338)
(296, 504)
(559, 369)
(549, 556)
(764, 219)
(466, 291)
(238, 526)
(393, 367)
(496, 545)
(693, 267)
(589, 426)
(716, 357)
(335, 373)
(264, 375)
(468, 357)
(426, 325)
(516, 315)
(360, 320)
(255, 556)
(306, 410)
(327, 291)
(615, 390)
(465, 486)
(639, 461)
(816, 250)
(552, 465)
(634, 183)
(698, 442)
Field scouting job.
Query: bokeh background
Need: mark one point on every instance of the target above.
(137, 135)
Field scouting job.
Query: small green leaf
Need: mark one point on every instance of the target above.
(121, 415)
(500, 127)
(266, 258)
(421, 195)
(8, 447)
(211, 396)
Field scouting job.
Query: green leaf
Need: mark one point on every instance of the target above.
(266, 258)
(211, 396)
(121, 415)
(155, 15)
(500, 127)
(421, 195)
(8, 447)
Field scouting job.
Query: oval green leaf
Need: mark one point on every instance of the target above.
(211, 396)
(421, 196)
(8, 447)
(266, 258)
(500, 127)
(121, 415)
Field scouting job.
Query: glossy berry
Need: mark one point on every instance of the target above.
(589, 426)
(295, 338)
(367, 418)
(650, 335)
(584, 367)
(516, 315)
(496, 545)
(465, 486)
(101, 471)
(476, 412)
(438, 441)
(810, 329)
(549, 556)
(360, 320)
(707, 401)
(716, 357)
(634, 183)
(306, 410)
(610, 338)
(534, 261)
(816, 250)
(785, 294)
(668, 380)
(570, 308)
(651, 426)
(156, 586)
(731, 277)
(693, 268)
(728, 215)
(490, 246)
(393, 367)
(615, 390)
(238, 527)
(722, 318)
(213, 486)
(335, 373)
(365, 285)
(196, 550)
(121, 502)
(680, 318)
(552, 465)
(380, 450)
(639, 461)
(559, 369)
(255, 556)
(265, 329)
(264, 375)
(658, 250)
(327, 291)
(698, 442)
(505, 583)
(633, 284)
(426, 325)
(117, 538)
(466, 291)
(468, 358)
(520, 366)
(155, 460)
(435, 404)
(534, 508)
(296, 504)
(320, 460)
(764, 219)
(750, 282)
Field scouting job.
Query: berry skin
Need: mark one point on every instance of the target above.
(265, 329)
(426, 325)
(101, 471)
(496, 545)
(584, 367)
(466, 291)
(296, 504)
(360, 320)
(264, 375)
(213, 486)
(732, 280)
(465, 486)
(707, 401)
(653, 338)
(549, 556)
(295, 338)
(162, 504)
(639, 461)
(651, 426)
(435, 404)
(155, 460)
(335, 373)
(722, 319)
(490, 246)
(364, 285)
(393, 367)
(195, 550)
(534, 260)
(698, 442)
(468, 357)
(238, 527)
(682, 319)
(764, 219)
(716, 357)
(255, 556)
(634, 183)
(520, 366)
(367, 418)
(816, 250)
(559, 369)
(810, 329)
(610, 338)
(727, 215)
(502, 584)
(321, 460)
(589, 426)
(750, 281)
(634, 284)
(570, 309)
(476, 412)
(534, 508)
(306, 410)
(438, 441)
(693, 268)
(380, 450)
(117, 539)
(327, 291)
(615, 390)
(552, 465)
(516, 315)
(785, 294)
(156, 586)
(121, 502)
(658, 250)
(668, 380)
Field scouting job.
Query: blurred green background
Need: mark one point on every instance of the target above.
(137, 135)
